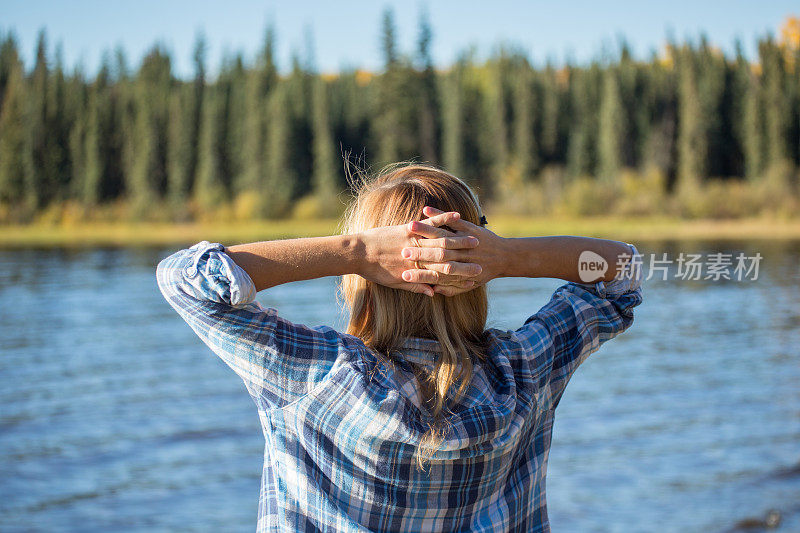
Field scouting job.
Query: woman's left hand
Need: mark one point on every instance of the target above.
(384, 264)
(434, 261)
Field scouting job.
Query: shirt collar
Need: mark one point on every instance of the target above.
(419, 350)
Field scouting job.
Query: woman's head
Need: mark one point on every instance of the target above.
(382, 316)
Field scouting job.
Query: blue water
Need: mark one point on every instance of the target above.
(115, 417)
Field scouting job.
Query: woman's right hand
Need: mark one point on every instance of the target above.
(433, 256)
(383, 263)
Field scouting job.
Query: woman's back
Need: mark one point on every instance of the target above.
(356, 437)
(342, 423)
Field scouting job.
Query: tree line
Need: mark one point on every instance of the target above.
(264, 142)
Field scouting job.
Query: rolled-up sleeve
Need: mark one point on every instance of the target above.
(278, 360)
(579, 318)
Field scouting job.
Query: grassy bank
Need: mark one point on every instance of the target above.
(157, 234)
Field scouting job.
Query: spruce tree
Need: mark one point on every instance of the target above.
(386, 126)
(280, 179)
(583, 131)
(209, 187)
(753, 127)
(427, 103)
(710, 76)
(195, 108)
(452, 120)
(180, 150)
(98, 150)
(325, 180)
(9, 61)
(611, 129)
(13, 138)
(83, 179)
(692, 142)
(258, 85)
(775, 102)
(497, 104)
(525, 150)
(38, 174)
(549, 97)
(59, 119)
(148, 177)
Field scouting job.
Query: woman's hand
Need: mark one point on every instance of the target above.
(438, 260)
(384, 264)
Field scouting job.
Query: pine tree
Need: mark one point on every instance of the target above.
(195, 109)
(550, 114)
(584, 102)
(38, 175)
(148, 178)
(350, 117)
(59, 119)
(525, 150)
(258, 85)
(387, 123)
(236, 111)
(98, 154)
(125, 111)
(754, 148)
(209, 187)
(477, 152)
(83, 178)
(739, 81)
(228, 140)
(13, 138)
(632, 129)
(180, 150)
(94, 163)
(611, 129)
(9, 61)
(660, 106)
(710, 76)
(452, 120)
(497, 104)
(776, 108)
(692, 141)
(280, 177)
(428, 107)
(300, 146)
(325, 180)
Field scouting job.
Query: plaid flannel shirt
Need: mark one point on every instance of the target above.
(341, 428)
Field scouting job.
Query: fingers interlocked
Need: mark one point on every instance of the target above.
(441, 257)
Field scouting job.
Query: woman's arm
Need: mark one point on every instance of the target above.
(604, 286)
(373, 254)
(575, 259)
(271, 263)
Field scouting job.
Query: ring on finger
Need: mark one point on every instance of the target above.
(416, 243)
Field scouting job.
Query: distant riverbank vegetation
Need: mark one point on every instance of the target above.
(690, 132)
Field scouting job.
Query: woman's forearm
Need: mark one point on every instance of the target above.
(564, 257)
(374, 254)
(271, 263)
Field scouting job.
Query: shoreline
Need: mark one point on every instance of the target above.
(165, 234)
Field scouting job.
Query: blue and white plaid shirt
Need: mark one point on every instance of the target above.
(341, 429)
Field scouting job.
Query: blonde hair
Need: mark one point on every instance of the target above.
(383, 316)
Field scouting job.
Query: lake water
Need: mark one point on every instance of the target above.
(115, 417)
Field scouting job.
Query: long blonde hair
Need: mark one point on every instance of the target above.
(383, 316)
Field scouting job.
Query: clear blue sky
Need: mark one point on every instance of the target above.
(347, 33)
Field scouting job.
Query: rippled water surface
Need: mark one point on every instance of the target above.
(114, 416)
